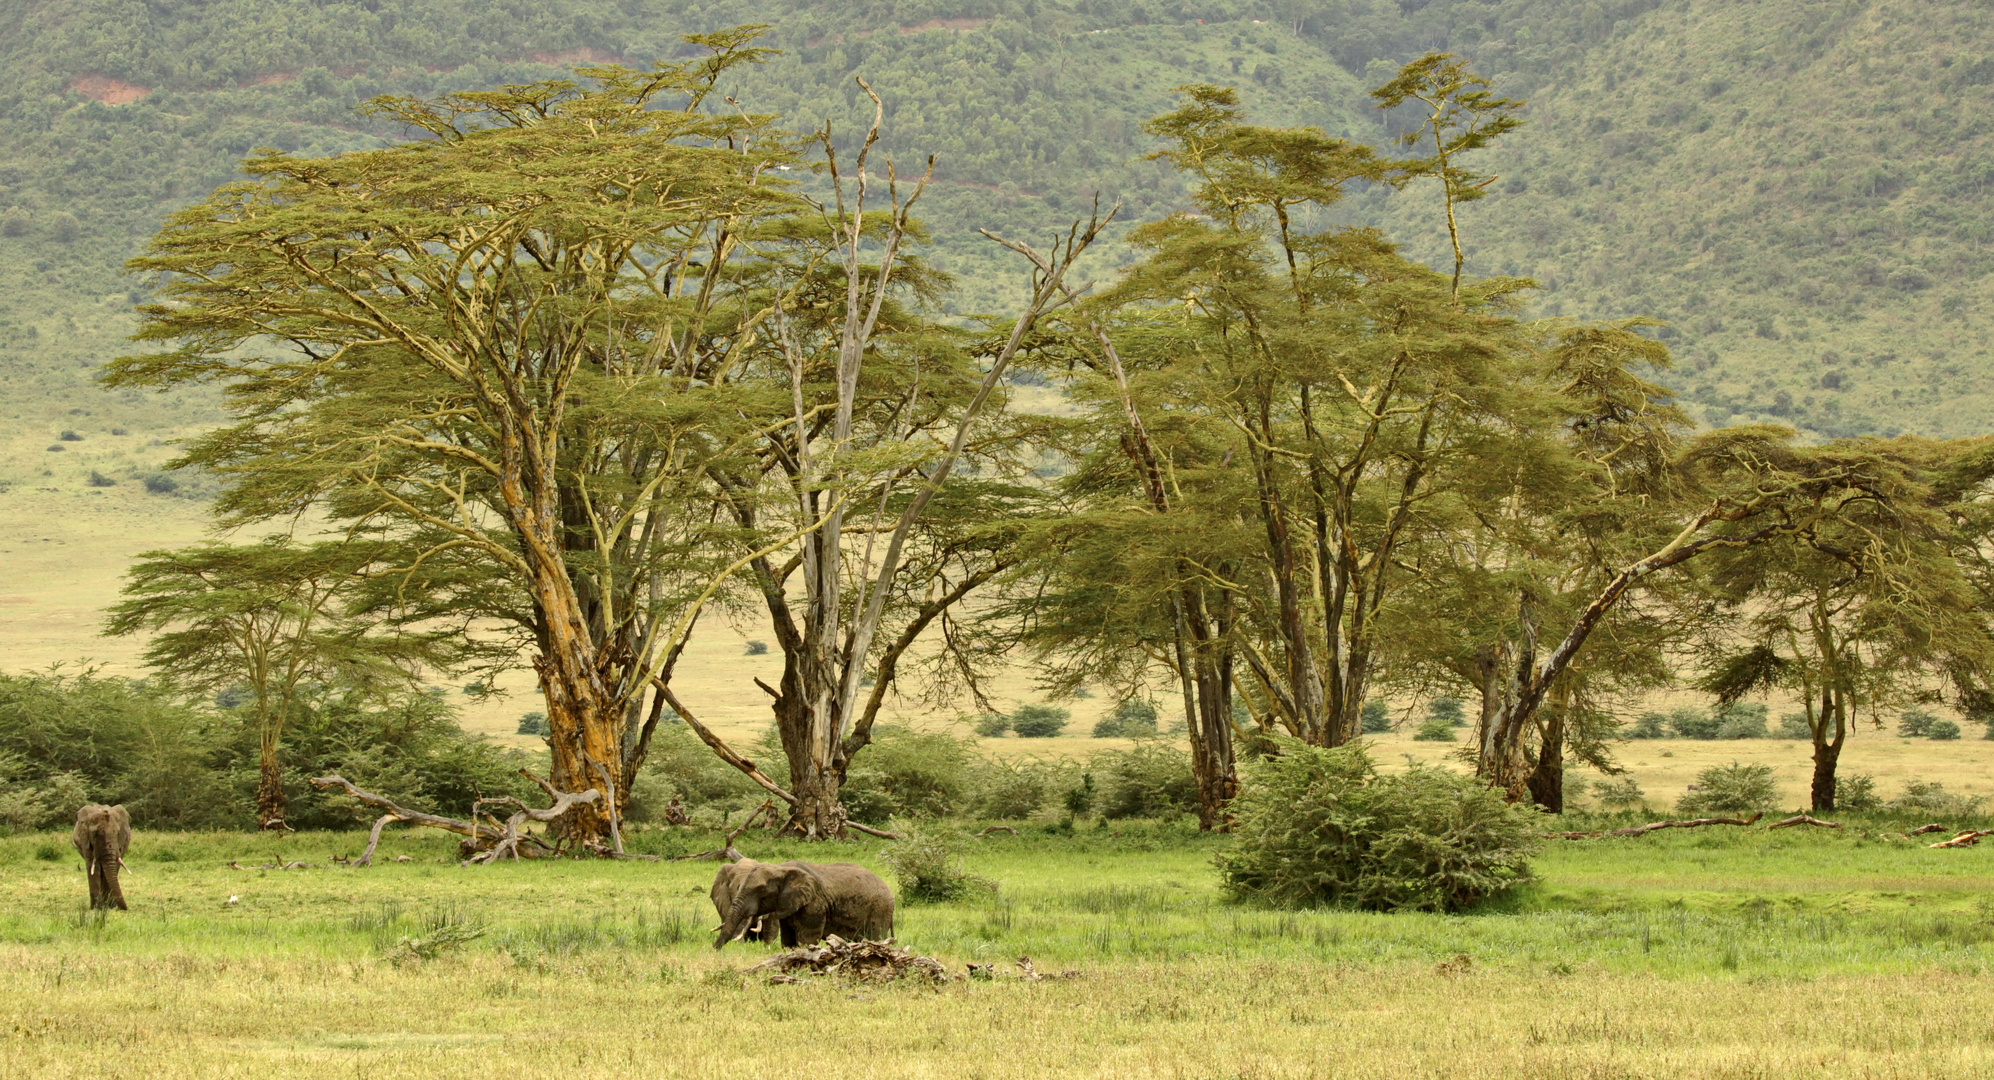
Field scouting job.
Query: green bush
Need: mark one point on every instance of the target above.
(1690, 722)
(1375, 718)
(1038, 721)
(1447, 709)
(1741, 720)
(756, 648)
(1856, 792)
(1649, 725)
(1315, 826)
(908, 773)
(1942, 731)
(927, 864)
(1793, 725)
(1015, 789)
(1731, 789)
(535, 723)
(1132, 719)
(992, 725)
(1619, 792)
(1915, 723)
(680, 766)
(1151, 779)
(1434, 729)
(1931, 797)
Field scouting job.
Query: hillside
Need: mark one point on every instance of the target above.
(1803, 189)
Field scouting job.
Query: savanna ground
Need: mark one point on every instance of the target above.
(1713, 953)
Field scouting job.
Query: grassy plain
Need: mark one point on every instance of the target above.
(1709, 954)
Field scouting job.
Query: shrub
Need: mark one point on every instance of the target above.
(1038, 721)
(1915, 724)
(757, 648)
(1375, 718)
(907, 773)
(1731, 789)
(1793, 725)
(1080, 797)
(1153, 779)
(99, 480)
(1447, 709)
(992, 725)
(535, 723)
(1572, 788)
(1741, 721)
(1942, 730)
(1931, 797)
(1618, 792)
(927, 864)
(1690, 722)
(70, 436)
(1434, 729)
(681, 766)
(1132, 719)
(1315, 826)
(161, 484)
(1856, 792)
(1649, 725)
(1014, 789)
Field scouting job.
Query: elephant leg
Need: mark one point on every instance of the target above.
(788, 933)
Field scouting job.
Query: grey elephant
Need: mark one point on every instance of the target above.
(808, 901)
(103, 835)
(726, 885)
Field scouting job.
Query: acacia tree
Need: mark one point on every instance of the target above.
(856, 490)
(506, 348)
(270, 616)
(1859, 609)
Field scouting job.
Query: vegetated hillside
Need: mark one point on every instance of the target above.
(1802, 188)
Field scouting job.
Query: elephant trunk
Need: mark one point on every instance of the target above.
(739, 915)
(107, 875)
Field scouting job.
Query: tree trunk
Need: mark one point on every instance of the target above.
(1547, 780)
(1212, 751)
(584, 728)
(269, 786)
(1827, 752)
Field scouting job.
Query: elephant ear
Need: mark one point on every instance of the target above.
(803, 883)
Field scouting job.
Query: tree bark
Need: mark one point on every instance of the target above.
(1547, 780)
(1827, 753)
(269, 781)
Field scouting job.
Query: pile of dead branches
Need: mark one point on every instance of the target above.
(486, 838)
(859, 961)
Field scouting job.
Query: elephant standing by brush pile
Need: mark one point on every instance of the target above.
(804, 902)
(103, 834)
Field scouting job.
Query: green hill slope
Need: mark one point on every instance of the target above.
(1803, 188)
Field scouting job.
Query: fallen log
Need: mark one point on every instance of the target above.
(1968, 838)
(1640, 830)
(1923, 829)
(1803, 819)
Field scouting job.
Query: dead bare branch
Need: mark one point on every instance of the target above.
(1803, 819)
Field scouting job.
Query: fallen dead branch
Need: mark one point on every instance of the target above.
(234, 865)
(489, 843)
(1923, 829)
(862, 961)
(1966, 839)
(996, 828)
(1803, 819)
(1031, 974)
(726, 852)
(1641, 830)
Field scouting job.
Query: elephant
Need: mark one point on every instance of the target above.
(103, 835)
(726, 885)
(809, 902)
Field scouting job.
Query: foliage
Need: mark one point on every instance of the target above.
(1447, 710)
(1741, 720)
(1015, 789)
(1376, 717)
(1856, 792)
(1038, 721)
(756, 648)
(1316, 827)
(908, 773)
(1943, 730)
(927, 865)
(681, 766)
(1619, 791)
(1434, 729)
(1151, 779)
(1649, 725)
(1915, 724)
(1690, 722)
(992, 725)
(533, 723)
(1793, 725)
(1731, 789)
(1134, 718)
(1931, 797)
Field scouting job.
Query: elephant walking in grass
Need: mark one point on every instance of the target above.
(103, 834)
(726, 885)
(808, 901)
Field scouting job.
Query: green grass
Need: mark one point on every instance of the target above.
(1708, 953)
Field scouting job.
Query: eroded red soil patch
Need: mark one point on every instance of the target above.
(108, 90)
